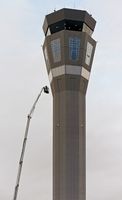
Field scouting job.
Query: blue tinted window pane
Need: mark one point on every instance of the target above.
(56, 50)
(74, 48)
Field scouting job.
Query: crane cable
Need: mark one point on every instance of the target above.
(29, 116)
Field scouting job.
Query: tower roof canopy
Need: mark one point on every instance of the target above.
(69, 14)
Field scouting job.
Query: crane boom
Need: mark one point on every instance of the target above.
(29, 116)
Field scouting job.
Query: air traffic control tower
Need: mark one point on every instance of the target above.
(69, 50)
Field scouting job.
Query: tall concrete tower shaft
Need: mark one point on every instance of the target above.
(69, 51)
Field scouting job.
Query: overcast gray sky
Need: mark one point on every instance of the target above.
(23, 73)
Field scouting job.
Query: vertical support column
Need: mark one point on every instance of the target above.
(69, 146)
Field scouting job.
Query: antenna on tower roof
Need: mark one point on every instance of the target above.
(74, 4)
(54, 9)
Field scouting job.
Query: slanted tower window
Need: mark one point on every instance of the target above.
(46, 57)
(65, 24)
(74, 48)
(88, 53)
(56, 50)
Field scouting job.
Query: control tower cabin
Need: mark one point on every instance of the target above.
(69, 50)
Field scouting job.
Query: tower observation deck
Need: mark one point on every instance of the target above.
(69, 50)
